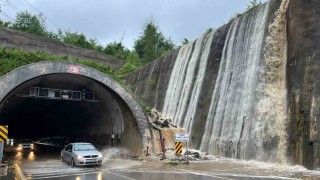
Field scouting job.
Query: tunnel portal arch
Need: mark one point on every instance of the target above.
(23, 74)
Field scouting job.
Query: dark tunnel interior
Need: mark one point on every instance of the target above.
(58, 107)
(33, 117)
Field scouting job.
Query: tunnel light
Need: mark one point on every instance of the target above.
(79, 157)
(83, 94)
(65, 96)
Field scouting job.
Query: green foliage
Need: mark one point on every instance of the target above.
(301, 123)
(152, 83)
(4, 23)
(117, 49)
(33, 24)
(184, 41)
(152, 44)
(27, 22)
(171, 163)
(253, 4)
(209, 30)
(77, 39)
(11, 59)
(133, 62)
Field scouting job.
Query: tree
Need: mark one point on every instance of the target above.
(117, 49)
(132, 63)
(4, 23)
(152, 44)
(27, 22)
(253, 4)
(78, 40)
(209, 30)
(185, 41)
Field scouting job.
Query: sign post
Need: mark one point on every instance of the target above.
(179, 138)
(3, 137)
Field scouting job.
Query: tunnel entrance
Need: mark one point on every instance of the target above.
(50, 103)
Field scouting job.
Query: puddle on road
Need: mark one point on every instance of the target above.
(115, 161)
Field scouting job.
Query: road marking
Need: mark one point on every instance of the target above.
(118, 174)
(59, 173)
(20, 172)
(235, 175)
(37, 171)
(64, 175)
(55, 170)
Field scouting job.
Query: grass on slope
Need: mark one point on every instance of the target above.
(11, 59)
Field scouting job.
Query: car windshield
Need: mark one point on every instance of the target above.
(83, 147)
(25, 141)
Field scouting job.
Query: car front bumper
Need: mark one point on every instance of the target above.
(88, 161)
(19, 148)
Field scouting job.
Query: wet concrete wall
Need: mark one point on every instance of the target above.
(150, 82)
(303, 66)
(10, 38)
(301, 93)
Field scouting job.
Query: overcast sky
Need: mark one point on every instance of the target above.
(108, 20)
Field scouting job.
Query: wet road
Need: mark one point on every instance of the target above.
(55, 170)
(44, 163)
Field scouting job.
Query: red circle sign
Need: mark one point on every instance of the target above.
(74, 69)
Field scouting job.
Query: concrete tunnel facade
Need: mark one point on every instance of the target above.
(115, 118)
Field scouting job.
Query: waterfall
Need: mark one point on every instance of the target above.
(186, 81)
(275, 87)
(247, 117)
(232, 116)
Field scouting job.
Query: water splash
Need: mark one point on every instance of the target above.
(113, 153)
(275, 102)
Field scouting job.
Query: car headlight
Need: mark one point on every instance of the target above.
(31, 145)
(100, 155)
(79, 157)
(20, 145)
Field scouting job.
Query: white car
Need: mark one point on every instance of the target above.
(25, 144)
(81, 154)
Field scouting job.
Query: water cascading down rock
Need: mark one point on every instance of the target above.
(227, 88)
(244, 112)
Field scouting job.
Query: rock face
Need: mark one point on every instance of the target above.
(10, 38)
(303, 65)
(248, 90)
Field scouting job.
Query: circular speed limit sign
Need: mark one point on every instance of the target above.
(74, 69)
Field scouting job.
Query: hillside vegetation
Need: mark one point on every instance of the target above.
(11, 59)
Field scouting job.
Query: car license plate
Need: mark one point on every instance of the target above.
(91, 160)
